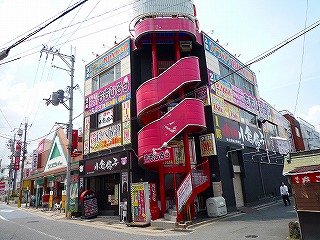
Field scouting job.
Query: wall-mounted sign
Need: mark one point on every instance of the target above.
(227, 59)
(126, 123)
(305, 178)
(207, 145)
(105, 138)
(41, 146)
(231, 131)
(89, 204)
(86, 136)
(110, 95)
(159, 155)
(2, 188)
(17, 156)
(56, 157)
(106, 164)
(140, 202)
(34, 159)
(202, 93)
(178, 152)
(108, 59)
(75, 139)
(105, 118)
(232, 93)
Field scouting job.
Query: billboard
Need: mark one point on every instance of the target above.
(105, 138)
(108, 59)
(227, 59)
(230, 131)
(110, 95)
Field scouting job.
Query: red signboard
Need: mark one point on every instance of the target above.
(2, 188)
(75, 139)
(17, 156)
(158, 155)
(306, 178)
(41, 146)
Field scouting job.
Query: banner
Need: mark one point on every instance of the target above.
(184, 192)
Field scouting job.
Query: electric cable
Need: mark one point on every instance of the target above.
(302, 60)
(7, 50)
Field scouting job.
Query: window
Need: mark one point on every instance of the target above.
(297, 132)
(248, 118)
(272, 129)
(235, 79)
(106, 77)
(95, 83)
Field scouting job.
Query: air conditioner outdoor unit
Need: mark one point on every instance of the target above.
(185, 46)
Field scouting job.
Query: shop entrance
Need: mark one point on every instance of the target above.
(106, 188)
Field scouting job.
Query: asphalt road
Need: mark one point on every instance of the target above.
(265, 223)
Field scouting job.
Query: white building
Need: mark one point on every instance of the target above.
(311, 138)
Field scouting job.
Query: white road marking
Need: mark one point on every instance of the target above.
(2, 218)
(31, 229)
(6, 210)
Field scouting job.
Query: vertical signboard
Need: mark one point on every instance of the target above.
(140, 202)
(89, 204)
(2, 188)
(126, 123)
(75, 139)
(34, 159)
(207, 145)
(17, 156)
(86, 136)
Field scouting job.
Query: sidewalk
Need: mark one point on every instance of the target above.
(113, 222)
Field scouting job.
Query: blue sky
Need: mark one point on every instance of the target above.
(247, 27)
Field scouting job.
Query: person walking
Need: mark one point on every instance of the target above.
(285, 194)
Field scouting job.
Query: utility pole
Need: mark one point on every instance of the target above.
(24, 151)
(55, 102)
(11, 146)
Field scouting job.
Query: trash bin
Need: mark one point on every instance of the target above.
(216, 206)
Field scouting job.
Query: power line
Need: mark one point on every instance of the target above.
(5, 52)
(302, 59)
(5, 118)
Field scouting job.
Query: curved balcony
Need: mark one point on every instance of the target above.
(164, 25)
(188, 115)
(156, 91)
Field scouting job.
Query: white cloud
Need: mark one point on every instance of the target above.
(312, 116)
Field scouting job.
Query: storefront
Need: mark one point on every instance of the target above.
(108, 177)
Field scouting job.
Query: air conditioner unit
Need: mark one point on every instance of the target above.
(185, 46)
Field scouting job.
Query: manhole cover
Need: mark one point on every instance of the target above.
(251, 236)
